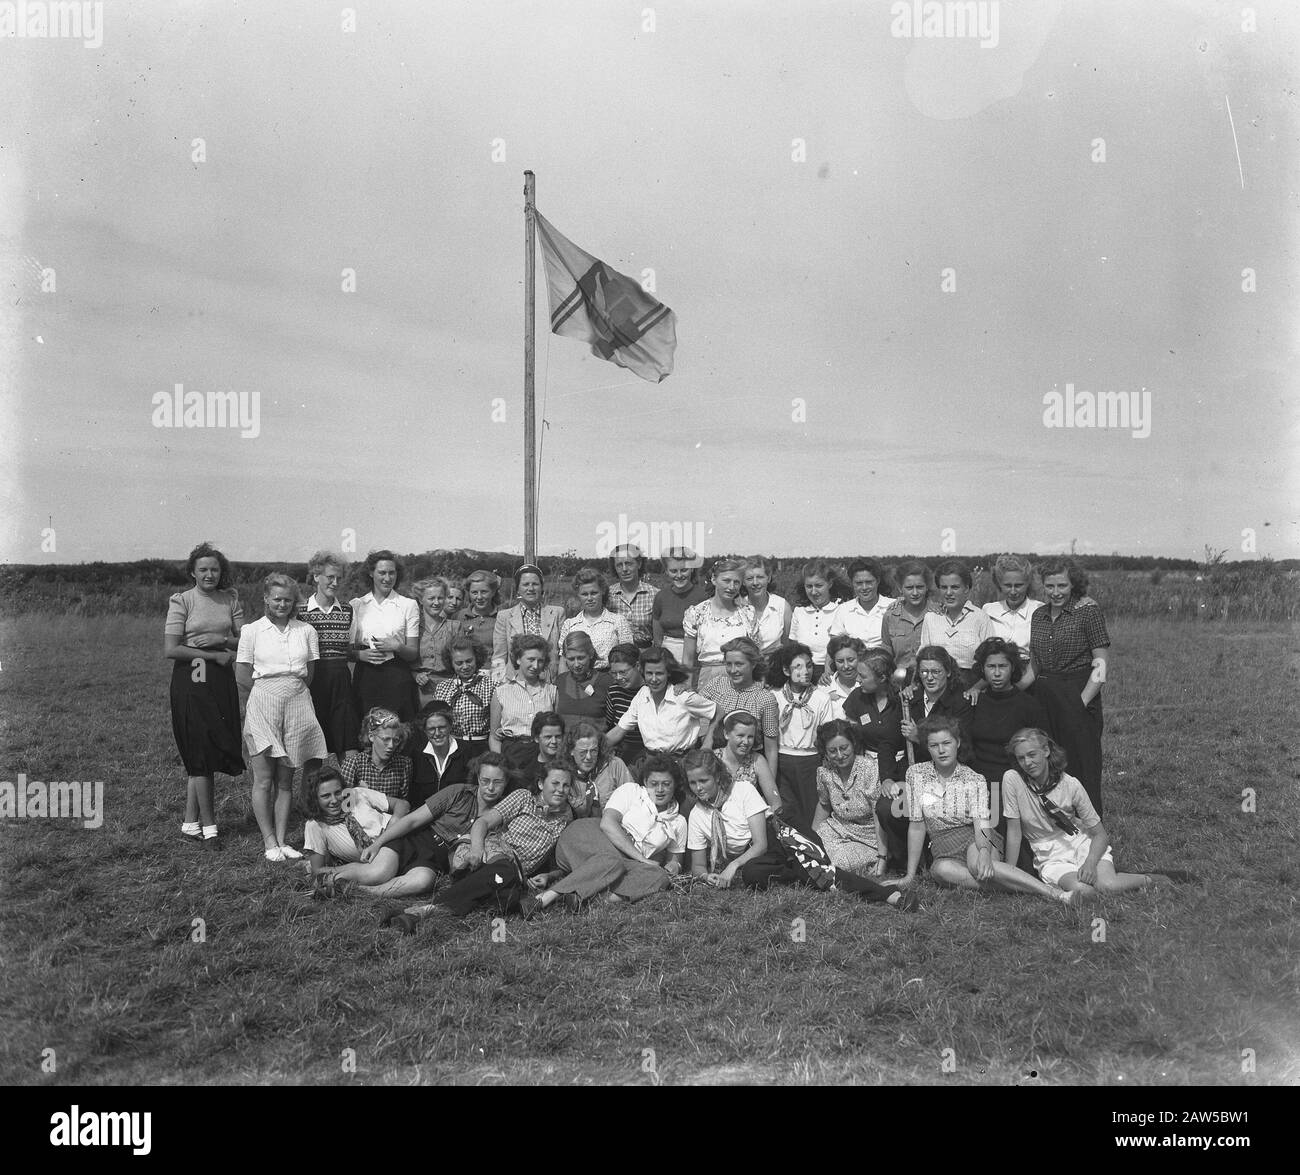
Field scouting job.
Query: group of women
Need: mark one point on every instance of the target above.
(540, 755)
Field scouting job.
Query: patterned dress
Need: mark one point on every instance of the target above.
(849, 832)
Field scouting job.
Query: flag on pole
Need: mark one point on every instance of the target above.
(605, 308)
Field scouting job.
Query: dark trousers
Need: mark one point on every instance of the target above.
(1075, 726)
(796, 783)
(481, 888)
(781, 866)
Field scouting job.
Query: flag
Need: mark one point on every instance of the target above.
(605, 308)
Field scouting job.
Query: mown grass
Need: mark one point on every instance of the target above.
(100, 963)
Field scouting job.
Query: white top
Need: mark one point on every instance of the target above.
(674, 724)
(960, 637)
(712, 629)
(651, 830)
(371, 811)
(1012, 626)
(396, 616)
(273, 653)
(738, 807)
(812, 627)
(834, 693)
(799, 735)
(771, 624)
(852, 619)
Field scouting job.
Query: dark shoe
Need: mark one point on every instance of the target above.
(195, 838)
(212, 844)
(573, 903)
(386, 916)
(404, 923)
(908, 902)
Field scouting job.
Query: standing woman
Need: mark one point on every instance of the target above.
(478, 619)
(582, 690)
(528, 617)
(386, 640)
(631, 596)
(1069, 645)
(957, 625)
(199, 638)
(863, 615)
(771, 613)
(436, 634)
(801, 709)
(331, 684)
(900, 629)
(274, 667)
(469, 695)
(682, 569)
(817, 598)
(1013, 610)
(455, 598)
(711, 624)
(877, 711)
(605, 628)
(515, 703)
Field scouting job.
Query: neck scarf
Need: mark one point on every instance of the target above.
(658, 836)
(802, 702)
(532, 618)
(717, 832)
(1053, 813)
(359, 836)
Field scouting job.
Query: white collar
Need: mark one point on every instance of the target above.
(451, 749)
(313, 606)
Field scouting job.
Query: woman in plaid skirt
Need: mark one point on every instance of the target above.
(274, 667)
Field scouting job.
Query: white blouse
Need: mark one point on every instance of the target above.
(273, 653)
(373, 620)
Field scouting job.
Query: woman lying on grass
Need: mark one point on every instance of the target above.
(1071, 845)
(634, 850)
(950, 802)
(343, 825)
(501, 867)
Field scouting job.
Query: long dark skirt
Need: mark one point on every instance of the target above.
(390, 685)
(336, 710)
(205, 718)
(1075, 726)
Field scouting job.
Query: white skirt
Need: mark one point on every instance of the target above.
(281, 721)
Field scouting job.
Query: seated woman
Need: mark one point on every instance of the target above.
(516, 702)
(684, 590)
(1071, 845)
(740, 729)
(343, 823)
(379, 763)
(956, 624)
(949, 802)
(530, 828)
(468, 695)
(667, 714)
(598, 773)
(848, 786)
(801, 708)
(530, 759)
(604, 628)
(742, 689)
(625, 684)
(449, 813)
(528, 617)
(438, 760)
(634, 850)
(581, 691)
(843, 652)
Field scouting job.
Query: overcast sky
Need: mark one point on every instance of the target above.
(797, 177)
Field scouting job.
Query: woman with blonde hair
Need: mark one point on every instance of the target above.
(682, 570)
(477, 620)
(437, 632)
(605, 628)
(709, 625)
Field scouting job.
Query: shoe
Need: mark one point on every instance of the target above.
(386, 916)
(274, 854)
(530, 906)
(908, 902)
(290, 854)
(403, 923)
(573, 903)
(212, 844)
(193, 837)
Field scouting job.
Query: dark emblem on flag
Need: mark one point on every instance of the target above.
(619, 311)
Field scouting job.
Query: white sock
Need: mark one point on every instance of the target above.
(190, 827)
(1064, 896)
(209, 831)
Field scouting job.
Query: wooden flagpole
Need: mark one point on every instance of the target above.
(530, 411)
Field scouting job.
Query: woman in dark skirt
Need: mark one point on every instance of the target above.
(200, 639)
(1069, 645)
(331, 686)
(386, 641)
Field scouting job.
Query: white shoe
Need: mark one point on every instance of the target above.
(275, 854)
(290, 854)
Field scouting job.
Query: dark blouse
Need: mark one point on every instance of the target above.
(994, 719)
(952, 703)
(425, 779)
(1065, 645)
(573, 702)
(881, 731)
(670, 609)
(479, 629)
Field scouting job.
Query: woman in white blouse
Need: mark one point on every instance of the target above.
(710, 625)
(386, 640)
(817, 597)
(274, 666)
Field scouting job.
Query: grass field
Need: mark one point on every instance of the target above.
(100, 962)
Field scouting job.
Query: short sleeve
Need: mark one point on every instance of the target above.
(236, 609)
(691, 622)
(751, 802)
(567, 627)
(412, 620)
(1094, 627)
(437, 803)
(313, 644)
(697, 828)
(1012, 786)
(629, 720)
(624, 798)
(769, 716)
(656, 607)
(313, 837)
(176, 615)
(697, 705)
(407, 768)
(1083, 808)
(247, 639)
(676, 835)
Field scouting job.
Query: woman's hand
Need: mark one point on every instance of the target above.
(206, 640)
(891, 789)
(878, 867)
(908, 692)
(908, 728)
(475, 857)
(423, 677)
(389, 644)
(371, 656)
(983, 864)
(972, 695)
(724, 879)
(368, 854)
(541, 881)
(224, 657)
(1088, 872)
(905, 882)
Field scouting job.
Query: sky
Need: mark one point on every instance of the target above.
(885, 253)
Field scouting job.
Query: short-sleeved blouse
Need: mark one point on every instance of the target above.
(960, 800)
(711, 631)
(670, 607)
(1065, 645)
(191, 614)
(853, 802)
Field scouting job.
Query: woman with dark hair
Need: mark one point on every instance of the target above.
(838, 683)
(581, 691)
(900, 627)
(848, 786)
(820, 592)
(438, 760)
(956, 624)
(200, 638)
(668, 715)
(877, 711)
(863, 615)
(331, 684)
(631, 596)
(743, 689)
(544, 747)
(682, 570)
(632, 851)
(1070, 648)
(477, 620)
(516, 702)
(801, 709)
(528, 617)
(468, 695)
(604, 628)
(940, 691)
(386, 640)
